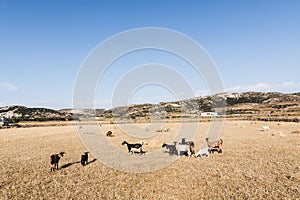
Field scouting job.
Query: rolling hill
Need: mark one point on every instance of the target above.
(248, 105)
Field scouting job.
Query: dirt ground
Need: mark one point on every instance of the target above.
(254, 165)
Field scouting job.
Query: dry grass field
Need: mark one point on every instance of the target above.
(254, 165)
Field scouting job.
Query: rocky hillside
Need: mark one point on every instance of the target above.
(249, 104)
(22, 113)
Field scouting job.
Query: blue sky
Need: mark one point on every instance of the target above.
(255, 45)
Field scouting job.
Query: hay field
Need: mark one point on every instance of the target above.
(254, 165)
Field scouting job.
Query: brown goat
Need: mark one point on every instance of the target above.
(109, 134)
(54, 159)
(214, 146)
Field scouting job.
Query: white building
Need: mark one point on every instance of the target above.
(209, 114)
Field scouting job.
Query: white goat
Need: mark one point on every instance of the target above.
(203, 152)
(265, 128)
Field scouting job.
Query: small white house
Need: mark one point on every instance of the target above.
(209, 114)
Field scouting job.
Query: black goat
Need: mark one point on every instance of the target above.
(54, 159)
(134, 147)
(84, 158)
(171, 147)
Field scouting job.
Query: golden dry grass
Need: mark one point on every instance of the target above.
(254, 165)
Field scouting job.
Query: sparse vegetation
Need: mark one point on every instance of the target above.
(253, 165)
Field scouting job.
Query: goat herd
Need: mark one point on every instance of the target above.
(182, 148)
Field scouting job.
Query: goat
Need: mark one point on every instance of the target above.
(171, 147)
(190, 149)
(84, 158)
(265, 128)
(214, 146)
(203, 152)
(187, 148)
(109, 134)
(137, 147)
(54, 159)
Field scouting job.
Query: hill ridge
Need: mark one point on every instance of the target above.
(247, 103)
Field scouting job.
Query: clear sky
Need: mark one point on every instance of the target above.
(254, 43)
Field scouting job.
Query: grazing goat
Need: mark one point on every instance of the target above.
(171, 147)
(134, 147)
(109, 134)
(214, 146)
(265, 128)
(84, 158)
(203, 152)
(167, 130)
(54, 159)
(188, 148)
